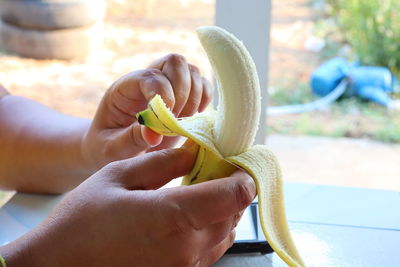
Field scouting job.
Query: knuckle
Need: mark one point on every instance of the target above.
(206, 82)
(243, 194)
(112, 169)
(191, 107)
(192, 104)
(177, 220)
(182, 95)
(236, 219)
(197, 83)
(155, 82)
(207, 94)
(206, 87)
(176, 59)
(186, 225)
(151, 72)
(194, 69)
(153, 79)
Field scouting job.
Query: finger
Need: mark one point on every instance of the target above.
(155, 169)
(170, 141)
(125, 143)
(176, 69)
(131, 94)
(150, 137)
(207, 95)
(149, 82)
(167, 142)
(193, 102)
(213, 255)
(154, 82)
(213, 201)
(159, 63)
(188, 143)
(130, 141)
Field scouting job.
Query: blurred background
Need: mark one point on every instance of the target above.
(351, 142)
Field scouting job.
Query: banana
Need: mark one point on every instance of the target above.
(225, 136)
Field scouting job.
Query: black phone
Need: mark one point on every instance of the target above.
(249, 235)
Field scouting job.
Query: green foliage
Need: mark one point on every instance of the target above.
(287, 94)
(347, 118)
(372, 27)
(390, 133)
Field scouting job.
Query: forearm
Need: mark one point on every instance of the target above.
(16, 253)
(40, 149)
(28, 249)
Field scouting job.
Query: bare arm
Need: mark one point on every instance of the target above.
(40, 148)
(118, 218)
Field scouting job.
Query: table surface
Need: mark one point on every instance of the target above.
(332, 226)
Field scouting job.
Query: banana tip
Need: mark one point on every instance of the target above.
(140, 119)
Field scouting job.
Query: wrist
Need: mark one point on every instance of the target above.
(16, 255)
(90, 157)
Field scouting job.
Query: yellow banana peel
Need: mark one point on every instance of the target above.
(225, 136)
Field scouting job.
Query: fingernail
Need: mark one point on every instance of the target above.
(151, 138)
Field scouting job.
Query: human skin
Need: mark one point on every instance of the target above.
(118, 218)
(48, 152)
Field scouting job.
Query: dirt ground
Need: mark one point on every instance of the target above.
(142, 31)
(337, 161)
(137, 32)
(292, 26)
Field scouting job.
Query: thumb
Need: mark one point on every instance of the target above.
(155, 169)
(152, 138)
(141, 136)
(214, 201)
(131, 141)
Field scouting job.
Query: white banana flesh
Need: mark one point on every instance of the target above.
(240, 99)
(225, 136)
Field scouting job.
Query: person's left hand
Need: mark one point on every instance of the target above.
(115, 134)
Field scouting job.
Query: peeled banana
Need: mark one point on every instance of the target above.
(225, 136)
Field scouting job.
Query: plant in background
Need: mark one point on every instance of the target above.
(372, 28)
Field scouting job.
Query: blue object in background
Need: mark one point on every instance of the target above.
(327, 77)
(374, 94)
(366, 82)
(337, 77)
(372, 83)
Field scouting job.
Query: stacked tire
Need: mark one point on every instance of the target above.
(51, 29)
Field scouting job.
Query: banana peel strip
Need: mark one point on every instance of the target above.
(258, 161)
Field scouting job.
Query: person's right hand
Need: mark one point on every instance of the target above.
(117, 218)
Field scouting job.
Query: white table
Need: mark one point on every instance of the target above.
(332, 226)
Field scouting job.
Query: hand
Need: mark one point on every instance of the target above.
(117, 218)
(115, 134)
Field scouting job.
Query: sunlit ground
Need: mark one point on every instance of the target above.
(135, 33)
